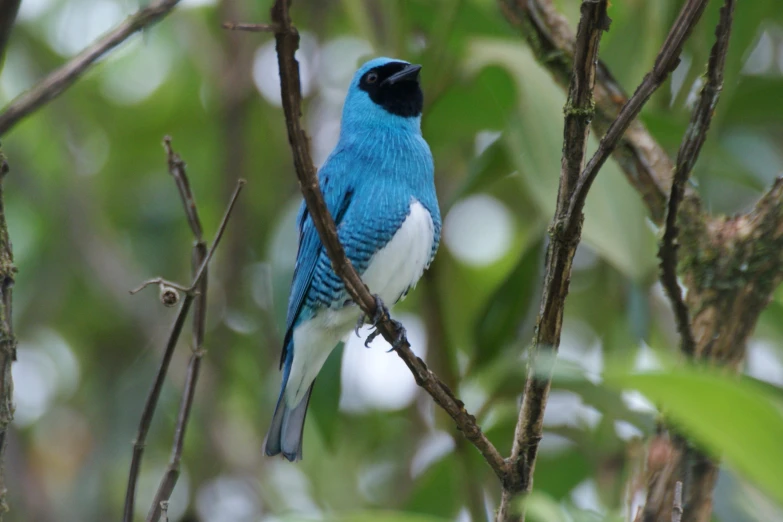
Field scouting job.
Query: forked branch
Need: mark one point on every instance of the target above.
(195, 292)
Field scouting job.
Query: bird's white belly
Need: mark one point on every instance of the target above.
(399, 265)
(391, 271)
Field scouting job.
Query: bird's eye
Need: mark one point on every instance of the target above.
(372, 77)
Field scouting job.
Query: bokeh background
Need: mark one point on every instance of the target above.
(92, 212)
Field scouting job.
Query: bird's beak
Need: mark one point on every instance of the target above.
(409, 74)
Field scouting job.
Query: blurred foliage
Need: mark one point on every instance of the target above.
(92, 212)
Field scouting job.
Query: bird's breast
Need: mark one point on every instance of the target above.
(397, 267)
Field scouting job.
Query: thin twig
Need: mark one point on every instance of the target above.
(691, 145)
(287, 39)
(59, 80)
(578, 113)
(677, 507)
(667, 60)
(177, 170)
(154, 394)
(699, 469)
(252, 28)
(192, 289)
(199, 255)
(150, 405)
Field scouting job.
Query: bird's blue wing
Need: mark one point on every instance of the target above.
(337, 197)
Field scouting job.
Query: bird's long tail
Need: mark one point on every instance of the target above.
(285, 433)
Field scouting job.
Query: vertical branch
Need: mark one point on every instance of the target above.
(7, 338)
(199, 255)
(578, 113)
(199, 269)
(696, 472)
(691, 145)
(201, 258)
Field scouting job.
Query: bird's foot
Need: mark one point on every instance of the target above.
(380, 309)
(382, 312)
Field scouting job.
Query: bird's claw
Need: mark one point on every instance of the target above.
(382, 312)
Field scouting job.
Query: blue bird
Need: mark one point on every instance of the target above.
(378, 184)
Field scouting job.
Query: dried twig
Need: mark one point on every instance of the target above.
(59, 80)
(677, 507)
(691, 145)
(199, 257)
(287, 39)
(578, 113)
(196, 291)
(251, 28)
(7, 337)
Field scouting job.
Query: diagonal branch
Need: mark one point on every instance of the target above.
(667, 60)
(287, 39)
(578, 113)
(195, 292)
(59, 80)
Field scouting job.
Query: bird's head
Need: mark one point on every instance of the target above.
(384, 91)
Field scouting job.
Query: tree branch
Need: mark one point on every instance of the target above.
(691, 145)
(695, 469)
(578, 113)
(644, 162)
(59, 80)
(195, 292)
(7, 337)
(287, 39)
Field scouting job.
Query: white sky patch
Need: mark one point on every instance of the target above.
(228, 499)
(579, 345)
(373, 379)
(479, 230)
(433, 448)
(626, 431)
(78, 23)
(266, 75)
(135, 74)
(764, 362)
(637, 402)
(566, 408)
(760, 59)
(646, 360)
(585, 496)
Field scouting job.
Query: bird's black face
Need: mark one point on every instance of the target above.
(395, 87)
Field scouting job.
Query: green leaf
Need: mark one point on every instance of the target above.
(615, 219)
(483, 101)
(489, 166)
(730, 418)
(498, 325)
(436, 491)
